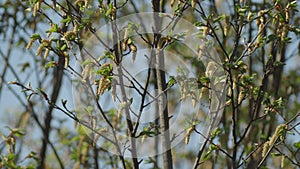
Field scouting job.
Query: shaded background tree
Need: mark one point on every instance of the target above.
(257, 41)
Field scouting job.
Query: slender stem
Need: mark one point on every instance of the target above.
(118, 58)
(161, 86)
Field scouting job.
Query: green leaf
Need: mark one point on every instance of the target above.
(275, 154)
(54, 28)
(64, 46)
(243, 10)
(18, 132)
(172, 81)
(297, 145)
(198, 24)
(272, 37)
(107, 13)
(217, 131)
(11, 156)
(105, 70)
(67, 20)
(222, 17)
(50, 64)
(35, 37)
(25, 66)
(131, 100)
(42, 92)
(86, 62)
(109, 55)
(207, 155)
(204, 79)
(148, 133)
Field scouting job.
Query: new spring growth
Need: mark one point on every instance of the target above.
(204, 93)
(45, 44)
(122, 106)
(205, 31)
(125, 42)
(67, 59)
(30, 43)
(279, 132)
(113, 13)
(193, 3)
(86, 73)
(103, 84)
(132, 47)
(39, 50)
(265, 148)
(210, 69)
(70, 35)
(188, 133)
(134, 50)
(172, 3)
(250, 16)
(241, 96)
(46, 54)
(143, 138)
(37, 6)
(83, 3)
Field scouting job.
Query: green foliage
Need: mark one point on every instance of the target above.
(10, 159)
(254, 40)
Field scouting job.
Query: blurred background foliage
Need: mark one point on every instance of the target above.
(257, 40)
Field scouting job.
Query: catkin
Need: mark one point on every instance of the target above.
(102, 85)
(265, 148)
(282, 161)
(134, 50)
(205, 31)
(105, 65)
(39, 50)
(126, 34)
(121, 108)
(210, 69)
(193, 102)
(124, 46)
(36, 7)
(277, 132)
(204, 93)
(69, 35)
(79, 2)
(241, 97)
(76, 28)
(46, 43)
(193, 3)
(46, 54)
(249, 16)
(67, 59)
(133, 56)
(85, 72)
(188, 134)
(172, 3)
(29, 44)
(287, 15)
(143, 138)
(259, 15)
